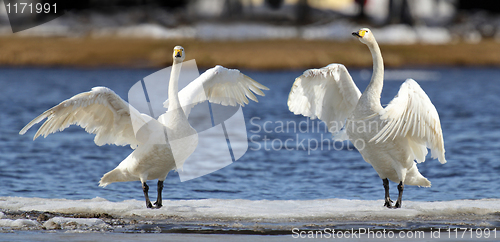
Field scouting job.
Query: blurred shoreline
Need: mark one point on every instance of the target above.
(254, 34)
(272, 54)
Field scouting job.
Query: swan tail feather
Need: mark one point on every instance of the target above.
(115, 175)
(414, 178)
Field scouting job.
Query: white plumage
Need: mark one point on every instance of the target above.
(221, 86)
(99, 112)
(328, 93)
(390, 138)
(159, 145)
(411, 114)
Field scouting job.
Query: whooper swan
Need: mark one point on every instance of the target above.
(390, 138)
(105, 114)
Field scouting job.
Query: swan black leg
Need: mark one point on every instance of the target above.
(388, 201)
(145, 189)
(158, 203)
(399, 202)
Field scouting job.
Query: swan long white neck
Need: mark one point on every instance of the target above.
(173, 86)
(372, 93)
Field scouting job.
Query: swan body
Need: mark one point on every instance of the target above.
(159, 145)
(390, 139)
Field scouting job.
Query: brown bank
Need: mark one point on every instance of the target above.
(258, 55)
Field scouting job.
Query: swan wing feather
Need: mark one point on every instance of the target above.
(411, 114)
(100, 111)
(328, 94)
(222, 86)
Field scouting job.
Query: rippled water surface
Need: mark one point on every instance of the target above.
(69, 165)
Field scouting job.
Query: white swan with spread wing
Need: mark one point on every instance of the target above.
(114, 121)
(391, 139)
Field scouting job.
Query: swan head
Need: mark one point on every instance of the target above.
(179, 53)
(364, 35)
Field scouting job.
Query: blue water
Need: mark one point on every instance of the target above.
(69, 165)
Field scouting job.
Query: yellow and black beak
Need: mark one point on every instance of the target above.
(359, 34)
(178, 53)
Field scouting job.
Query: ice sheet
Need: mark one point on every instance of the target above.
(257, 216)
(18, 223)
(259, 210)
(71, 223)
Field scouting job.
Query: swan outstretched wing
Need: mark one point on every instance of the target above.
(99, 112)
(222, 86)
(328, 93)
(411, 114)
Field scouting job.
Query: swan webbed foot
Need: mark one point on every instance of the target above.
(388, 204)
(399, 202)
(145, 189)
(158, 203)
(388, 201)
(397, 205)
